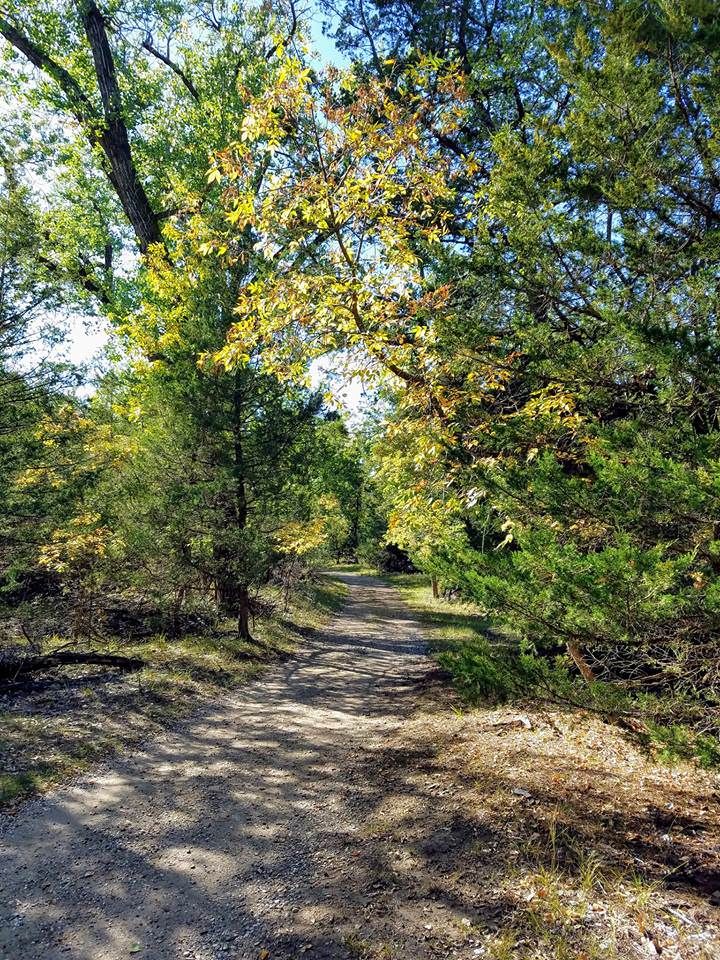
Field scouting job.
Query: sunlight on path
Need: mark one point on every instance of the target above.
(223, 839)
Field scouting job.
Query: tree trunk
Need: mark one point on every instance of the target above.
(114, 137)
(241, 505)
(435, 588)
(243, 623)
(580, 662)
(177, 610)
(355, 526)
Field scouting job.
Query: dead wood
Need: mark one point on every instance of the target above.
(13, 669)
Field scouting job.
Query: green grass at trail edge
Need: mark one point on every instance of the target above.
(361, 569)
(39, 747)
(487, 665)
(15, 786)
(328, 595)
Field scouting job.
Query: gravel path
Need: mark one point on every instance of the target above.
(230, 837)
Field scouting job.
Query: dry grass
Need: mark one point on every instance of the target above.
(553, 835)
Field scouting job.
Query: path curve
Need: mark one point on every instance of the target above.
(226, 838)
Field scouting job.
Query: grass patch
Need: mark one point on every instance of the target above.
(53, 730)
(483, 666)
(454, 625)
(674, 743)
(366, 950)
(363, 569)
(38, 752)
(327, 596)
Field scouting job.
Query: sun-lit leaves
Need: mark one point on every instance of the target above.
(78, 545)
(326, 529)
(517, 241)
(505, 227)
(342, 216)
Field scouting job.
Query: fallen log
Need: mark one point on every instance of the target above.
(13, 669)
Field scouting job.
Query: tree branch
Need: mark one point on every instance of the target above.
(178, 71)
(84, 277)
(114, 139)
(107, 129)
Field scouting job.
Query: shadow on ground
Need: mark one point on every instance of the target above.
(296, 818)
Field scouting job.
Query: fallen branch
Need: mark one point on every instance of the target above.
(37, 664)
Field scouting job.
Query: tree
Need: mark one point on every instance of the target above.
(145, 95)
(526, 243)
(31, 383)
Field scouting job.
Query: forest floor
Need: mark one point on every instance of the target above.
(345, 806)
(58, 722)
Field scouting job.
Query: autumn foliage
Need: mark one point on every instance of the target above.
(519, 244)
(503, 221)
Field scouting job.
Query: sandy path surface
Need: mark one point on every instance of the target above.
(231, 836)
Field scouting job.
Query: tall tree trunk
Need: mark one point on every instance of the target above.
(114, 137)
(241, 504)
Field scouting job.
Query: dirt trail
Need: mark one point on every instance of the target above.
(232, 836)
(338, 809)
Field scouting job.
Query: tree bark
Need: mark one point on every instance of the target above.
(106, 130)
(241, 504)
(243, 623)
(114, 137)
(580, 662)
(354, 536)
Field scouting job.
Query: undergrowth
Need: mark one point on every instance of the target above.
(489, 665)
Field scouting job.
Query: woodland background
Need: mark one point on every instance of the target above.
(500, 217)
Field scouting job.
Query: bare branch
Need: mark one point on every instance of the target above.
(178, 71)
